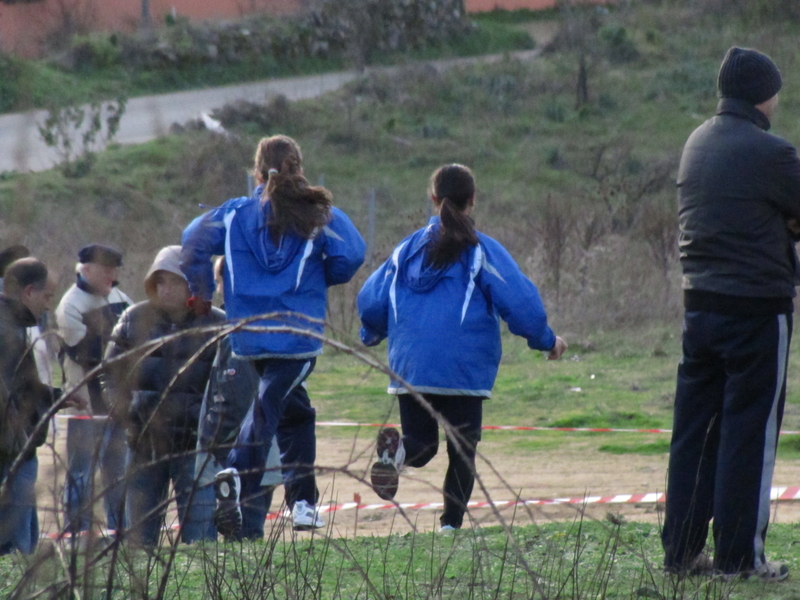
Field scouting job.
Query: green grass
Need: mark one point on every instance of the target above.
(580, 559)
(517, 125)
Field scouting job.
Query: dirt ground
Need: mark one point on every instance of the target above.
(574, 470)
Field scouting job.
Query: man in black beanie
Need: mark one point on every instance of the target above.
(738, 191)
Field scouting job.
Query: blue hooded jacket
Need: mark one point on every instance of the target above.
(443, 324)
(262, 278)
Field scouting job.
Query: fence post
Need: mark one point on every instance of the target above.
(370, 226)
(251, 185)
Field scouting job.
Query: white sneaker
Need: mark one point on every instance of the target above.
(305, 516)
(446, 528)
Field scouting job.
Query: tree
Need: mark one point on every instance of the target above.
(76, 132)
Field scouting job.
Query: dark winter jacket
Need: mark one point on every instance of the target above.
(737, 187)
(24, 399)
(161, 416)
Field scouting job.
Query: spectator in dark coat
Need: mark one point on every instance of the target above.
(739, 194)
(157, 390)
(24, 400)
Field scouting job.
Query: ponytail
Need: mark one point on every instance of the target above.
(297, 207)
(454, 186)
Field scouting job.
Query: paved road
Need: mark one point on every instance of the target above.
(148, 117)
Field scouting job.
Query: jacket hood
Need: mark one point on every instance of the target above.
(272, 258)
(411, 262)
(167, 259)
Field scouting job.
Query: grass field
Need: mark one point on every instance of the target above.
(594, 180)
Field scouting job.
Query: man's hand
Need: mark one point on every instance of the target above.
(558, 349)
(75, 401)
(198, 306)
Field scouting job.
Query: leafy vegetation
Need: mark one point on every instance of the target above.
(579, 191)
(98, 71)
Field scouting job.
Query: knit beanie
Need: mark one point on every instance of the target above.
(749, 75)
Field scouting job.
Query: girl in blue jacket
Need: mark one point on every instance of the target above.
(439, 299)
(283, 248)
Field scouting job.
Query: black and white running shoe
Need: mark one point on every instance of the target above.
(385, 473)
(228, 514)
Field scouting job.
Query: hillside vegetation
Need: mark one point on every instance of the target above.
(579, 188)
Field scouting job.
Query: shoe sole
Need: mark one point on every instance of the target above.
(228, 520)
(306, 527)
(385, 480)
(227, 515)
(388, 440)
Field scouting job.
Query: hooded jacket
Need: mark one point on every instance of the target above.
(160, 415)
(290, 278)
(157, 393)
(443, 324)
(737, 186)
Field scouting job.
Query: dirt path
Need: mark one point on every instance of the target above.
(575, 469)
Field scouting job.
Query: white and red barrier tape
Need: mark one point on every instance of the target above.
(777, 494)
(522, 428)
(485, 427)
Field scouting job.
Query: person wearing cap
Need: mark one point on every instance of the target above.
(739, 197)
(85, 317)
(157, 391)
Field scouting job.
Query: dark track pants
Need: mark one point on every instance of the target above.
(283, 409)
(421, 442)
(728, 409)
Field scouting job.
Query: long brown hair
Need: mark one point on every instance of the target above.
(454, 187)
(297, 207)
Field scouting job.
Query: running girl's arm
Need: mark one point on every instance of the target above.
(514, 296)
(202, 239)
(344, 249)
(373, 305)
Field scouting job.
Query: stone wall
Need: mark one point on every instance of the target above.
(356, 29)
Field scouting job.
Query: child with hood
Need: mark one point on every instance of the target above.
(156, 390)
(439, 299)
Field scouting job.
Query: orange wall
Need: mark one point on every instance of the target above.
(23, 27)
(484, 5)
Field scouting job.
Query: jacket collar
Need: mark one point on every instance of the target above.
(84, 285)
(744, 110)
(18, 311)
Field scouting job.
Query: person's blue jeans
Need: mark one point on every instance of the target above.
(19, 523)
(93, 442)
(283, 409)
(147, 498)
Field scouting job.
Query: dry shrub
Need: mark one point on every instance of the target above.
(215, 167)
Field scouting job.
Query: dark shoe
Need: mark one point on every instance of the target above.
(702, 564)
(768, 571)
(228, 514)
(385, 474)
